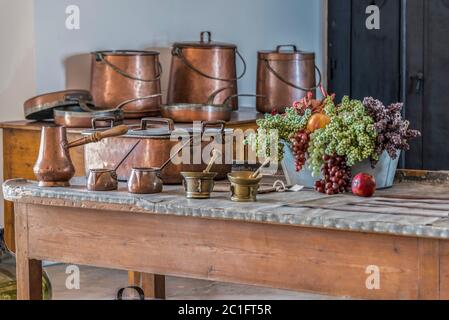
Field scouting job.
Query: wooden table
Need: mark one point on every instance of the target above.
(298, 241)
(21, 140)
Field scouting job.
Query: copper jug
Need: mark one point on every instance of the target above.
(199, 69)
(118, 76)
(54, 167)
(283, 77)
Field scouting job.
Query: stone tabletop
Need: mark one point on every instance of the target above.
(410, 208)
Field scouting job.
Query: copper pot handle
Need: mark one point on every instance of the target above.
(277, 75)
(214, 94)
(178, 53)
(98, 136)
(209, 36)
(124, 103)
(169, 122)
(206, 124)
(104, 119)
(100, 57)
(293, 46)
(228, 99)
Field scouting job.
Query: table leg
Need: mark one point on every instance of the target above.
(153, 285)
(29, 279)
(134, 278)
(28, 271)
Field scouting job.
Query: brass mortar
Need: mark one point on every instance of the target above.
(198, 185)
(243, 187)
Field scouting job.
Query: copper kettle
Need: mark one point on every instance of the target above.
(54, 167)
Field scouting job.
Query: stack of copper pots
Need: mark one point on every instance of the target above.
(201, 68)
(119, 76)
(284, 76)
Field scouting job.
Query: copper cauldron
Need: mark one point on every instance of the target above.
(284, 77)
(118, 76)
(199, 69)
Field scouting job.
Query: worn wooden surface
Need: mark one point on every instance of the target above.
(396, 211)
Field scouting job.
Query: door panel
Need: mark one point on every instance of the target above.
(436, 85)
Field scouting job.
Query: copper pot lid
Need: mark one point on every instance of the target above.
(41, 107)
(126, 53)
(204, 43)
(286, 52)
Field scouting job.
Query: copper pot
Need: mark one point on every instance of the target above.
(124, 75)
(155, 149)
(145, 181)
(201, 68)
(102, 180)
(284, 77)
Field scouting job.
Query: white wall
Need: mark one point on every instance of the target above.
(253, 25)
(17, 62)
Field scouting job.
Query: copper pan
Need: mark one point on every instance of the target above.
(41, 107)
(191, 112)
(77, 117)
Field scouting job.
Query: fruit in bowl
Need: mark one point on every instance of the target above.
(318, 121)
(363, 185)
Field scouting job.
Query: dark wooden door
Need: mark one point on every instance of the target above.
(365, 62)
(407, 60)
(427, 82)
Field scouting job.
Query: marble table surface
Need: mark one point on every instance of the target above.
(410, 208)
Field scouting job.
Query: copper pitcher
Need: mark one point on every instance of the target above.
(118, 76)
(199, 69)
(284, 76)
(54, 167)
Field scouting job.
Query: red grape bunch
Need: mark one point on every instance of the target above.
(300, 145)
(337, 176)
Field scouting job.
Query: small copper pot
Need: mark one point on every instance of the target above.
(102, 180)
(145, 181)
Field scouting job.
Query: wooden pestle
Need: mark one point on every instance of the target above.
(215, 155)
(255, 175)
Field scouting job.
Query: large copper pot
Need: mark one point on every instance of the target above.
(199, 69)
(124, 75)
(284, 77)
(155, 148)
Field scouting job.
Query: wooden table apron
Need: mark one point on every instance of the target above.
(280, 256)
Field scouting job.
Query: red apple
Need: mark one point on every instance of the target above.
(363, 185)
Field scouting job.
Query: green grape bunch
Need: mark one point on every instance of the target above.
(350, 134)
(274, 130)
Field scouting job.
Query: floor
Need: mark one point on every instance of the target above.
(102, 284)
